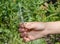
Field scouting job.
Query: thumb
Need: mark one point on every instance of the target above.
(34, 26)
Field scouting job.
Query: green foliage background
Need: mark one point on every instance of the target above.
(32, 11)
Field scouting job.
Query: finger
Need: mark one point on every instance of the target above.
(29, 25)
(26, 39)
(34, 25)
(24, 35)
(21, 30)
(32, 38)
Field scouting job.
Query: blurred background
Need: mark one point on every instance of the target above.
(31, 10)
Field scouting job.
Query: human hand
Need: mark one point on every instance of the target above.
(32, 30)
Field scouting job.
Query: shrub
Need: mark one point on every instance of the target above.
(32, 10)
